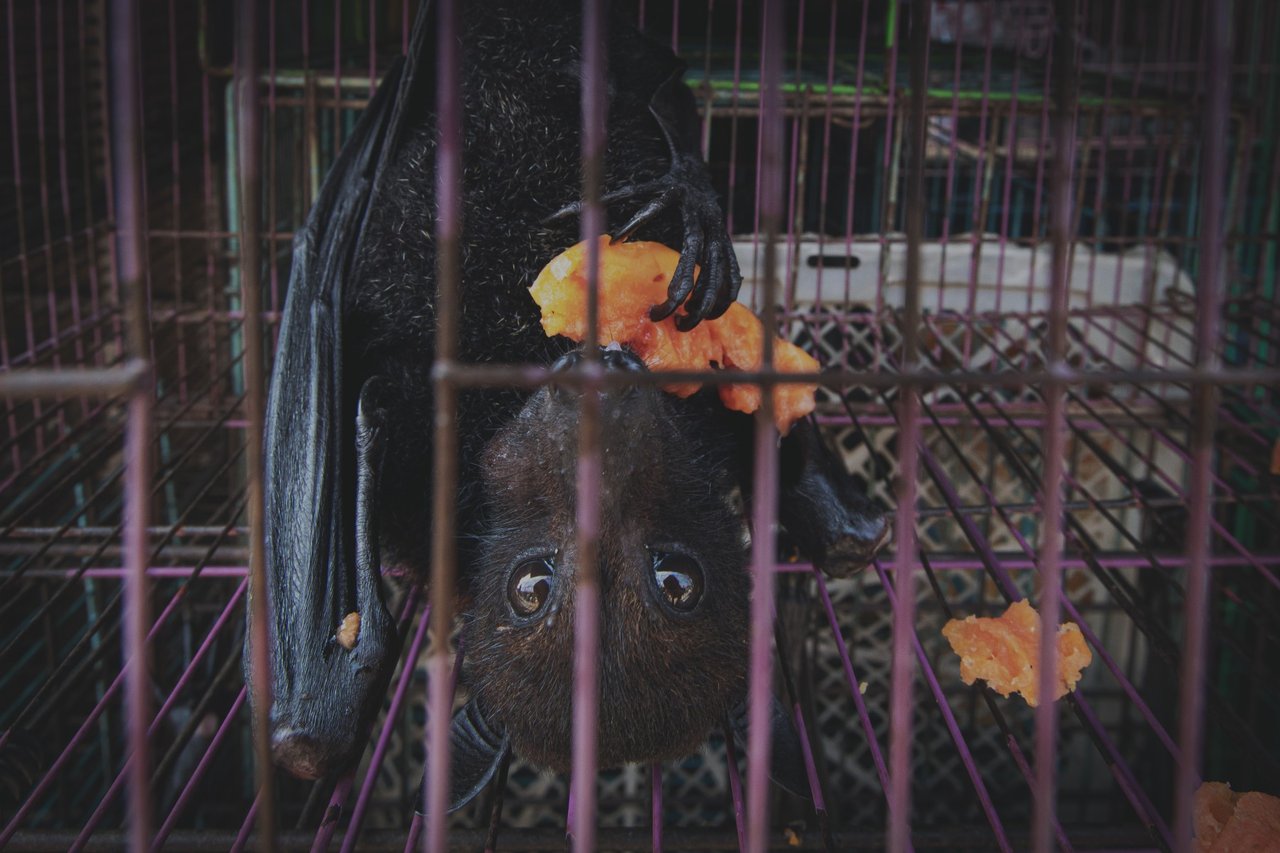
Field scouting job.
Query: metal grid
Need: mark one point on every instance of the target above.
(1055, 354)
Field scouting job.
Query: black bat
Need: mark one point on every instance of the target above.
(348, 423)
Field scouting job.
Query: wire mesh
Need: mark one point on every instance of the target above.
(1092, 254)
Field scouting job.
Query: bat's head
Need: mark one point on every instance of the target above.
(672, 569)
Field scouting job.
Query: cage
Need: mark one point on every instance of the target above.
(1033, 244)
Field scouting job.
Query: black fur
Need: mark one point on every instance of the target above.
(521, 163)
(349, 418)
(665, 679)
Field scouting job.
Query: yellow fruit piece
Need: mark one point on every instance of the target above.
(1002, 651)
(633, 278)
(1227, 822)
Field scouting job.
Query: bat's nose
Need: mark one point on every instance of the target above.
(614, 357)
(621, 358)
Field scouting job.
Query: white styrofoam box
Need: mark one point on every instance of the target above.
(841, 277)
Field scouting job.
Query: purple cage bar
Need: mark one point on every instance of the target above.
(140, 279)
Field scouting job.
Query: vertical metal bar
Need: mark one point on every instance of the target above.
(586, 625)
(765, 487)
(445, 463)
(655, 805)
(733, 111)
(1060, 200)
(949, 186)
(249, 162)
(126, 125)
(825, 168)
(209, 207)
(902, 662)
(854, 134)
(336, 145)
(175, 167)
(126, 120)
(137, 602)
(273, 178)
(373, 48)
(1204, 407)
(64, 197)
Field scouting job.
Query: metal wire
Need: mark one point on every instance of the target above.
(1078, 408)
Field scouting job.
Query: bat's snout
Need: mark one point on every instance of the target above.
(614, 357)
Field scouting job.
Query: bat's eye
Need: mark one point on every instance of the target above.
(679, 580)
(530, 586)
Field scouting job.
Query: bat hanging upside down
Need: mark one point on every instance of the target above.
(348, 432)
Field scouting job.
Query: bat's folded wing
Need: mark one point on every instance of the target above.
(332, 643)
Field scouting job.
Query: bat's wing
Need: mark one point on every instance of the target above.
(332, 643)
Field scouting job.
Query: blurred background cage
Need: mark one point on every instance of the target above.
(1139, 198)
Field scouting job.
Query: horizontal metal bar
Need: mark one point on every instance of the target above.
(196, 841)
(943, 563)
(38, 382)
(528, 376)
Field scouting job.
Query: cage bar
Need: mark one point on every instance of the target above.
(1032, 247)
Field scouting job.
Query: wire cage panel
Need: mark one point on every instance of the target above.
(1134, 271)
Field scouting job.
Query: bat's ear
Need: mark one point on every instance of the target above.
(836, 526)
(786, 764)
(476, 751)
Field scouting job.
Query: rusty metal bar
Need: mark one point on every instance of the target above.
(67, 381)
(1050, 546)
(249, 163)
(765, 486)
(130, 210)
(1211, 289)
(448, 235)
(532, 376)
(902, 661)
(586, 598)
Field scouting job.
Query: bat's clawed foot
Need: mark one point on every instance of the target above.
(707, 278)
(855, 544)
(478, 749)
(835, 524)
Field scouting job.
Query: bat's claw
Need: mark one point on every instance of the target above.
(705, 293)
(707, 278)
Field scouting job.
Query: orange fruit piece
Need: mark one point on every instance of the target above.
(1227, 822)
(1002, 651)
(633, 278)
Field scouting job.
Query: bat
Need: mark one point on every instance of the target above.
(348, 423)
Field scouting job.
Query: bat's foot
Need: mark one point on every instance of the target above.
(836, 526)
(478, 751)
(706, 242)
(855, 544)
